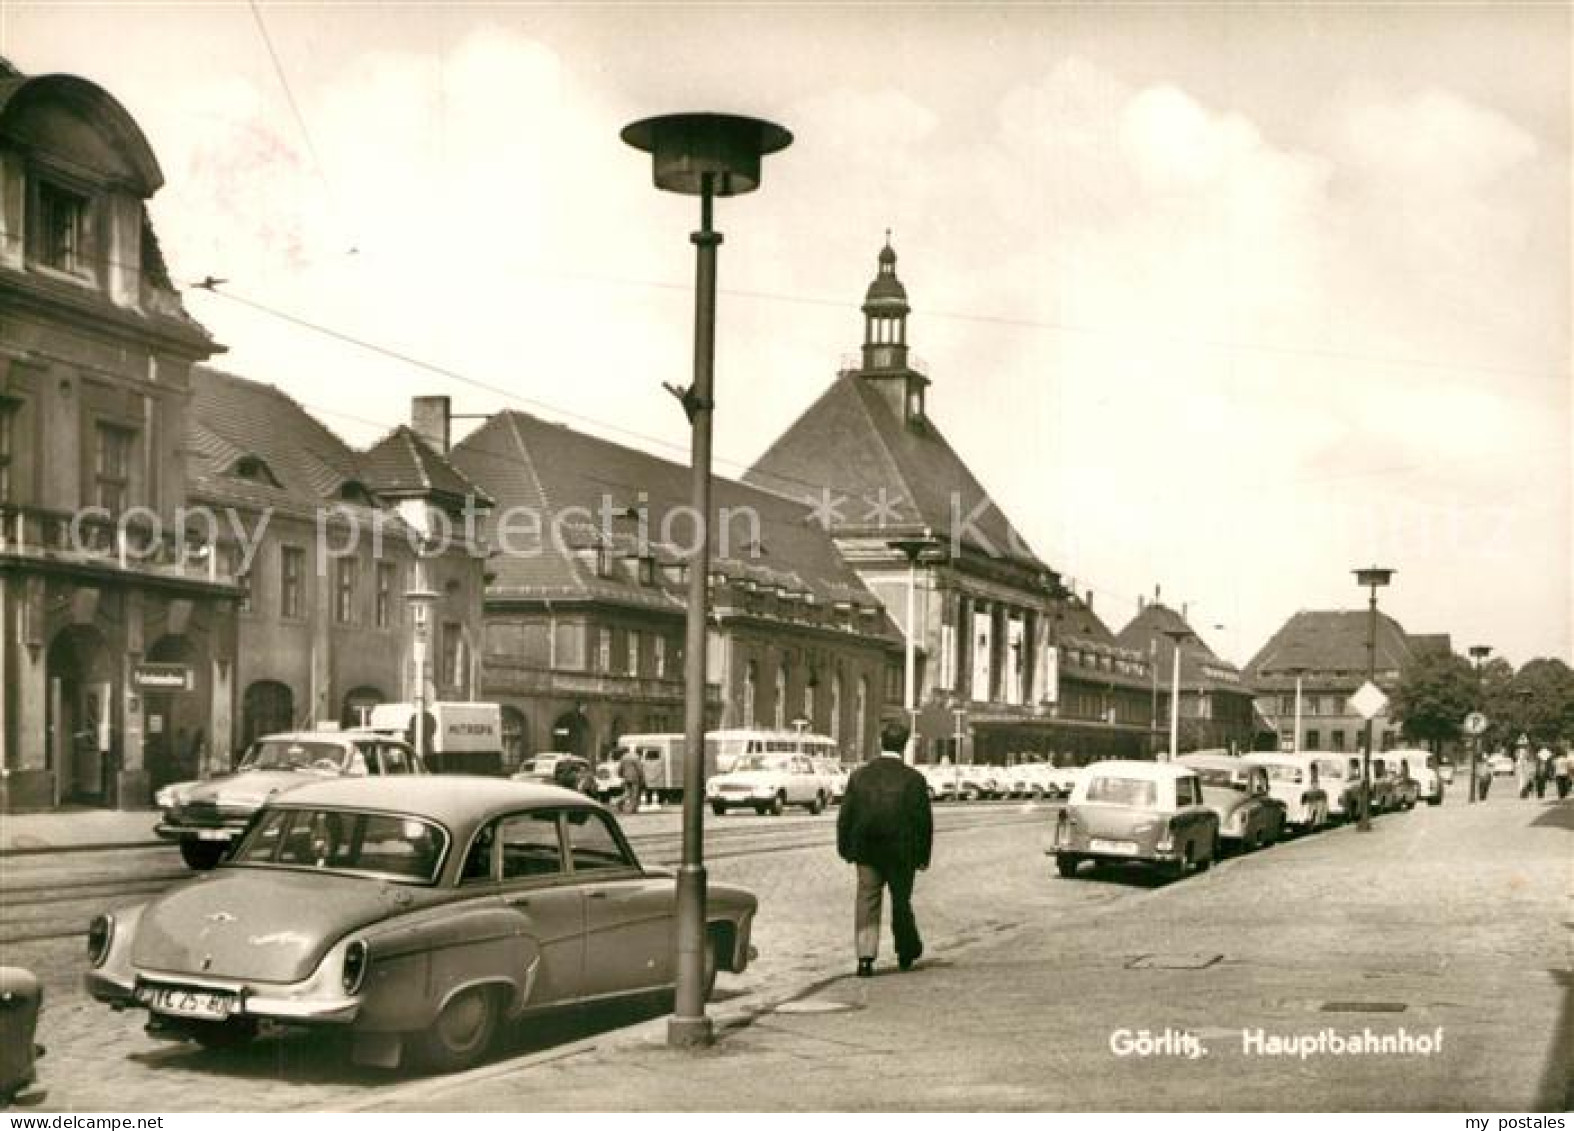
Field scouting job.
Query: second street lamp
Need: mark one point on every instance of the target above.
(1177, 636)
(704, 155)
(1478, 653)
(912, 548)
(1374, 578)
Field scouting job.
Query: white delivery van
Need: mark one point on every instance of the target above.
(461, 738)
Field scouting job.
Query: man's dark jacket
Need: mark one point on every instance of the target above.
(885, 820)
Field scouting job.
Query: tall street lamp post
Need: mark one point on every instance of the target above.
(704, 155)
(420, 598)
(1478, 653)
(1177, 636)
(912, 549)
(1374, 578)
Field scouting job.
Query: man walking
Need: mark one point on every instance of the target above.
(632, 773)
(886, 829)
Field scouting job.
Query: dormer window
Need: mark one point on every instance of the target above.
(60, 229)
(254, 470)
(915, 403)
(354, 491)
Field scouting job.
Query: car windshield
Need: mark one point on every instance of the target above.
(1220, 779)
(271, 754)
(1136, 793)
(388, 845)
(777, 763)
(538, 765)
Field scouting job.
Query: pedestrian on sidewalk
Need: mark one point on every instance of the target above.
(886, 829)
(1543, 771)
(1561, 772)
(632, 774)
(1525, 766)
(1483, 779)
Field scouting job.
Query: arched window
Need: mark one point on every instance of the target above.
(780, 706)
(266, 708)
(358, 705)
(516, 738)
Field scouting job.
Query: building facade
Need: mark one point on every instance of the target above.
(587, 592)
(1320, 657)
(1216, 705)
(333, 541)
(1008, 664)
(117, 616)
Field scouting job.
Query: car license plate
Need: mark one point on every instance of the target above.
(1115, 847)
(178, 1001)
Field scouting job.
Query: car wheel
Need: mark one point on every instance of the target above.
(202, 855)
(817, 804)
(1066, 866)
(229, 1034)
(1205, 861)
(778, 804)
(1179, 868)
(718, 808)
(460, 1034)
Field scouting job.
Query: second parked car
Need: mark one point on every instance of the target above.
(206, 818)
(1249, 817)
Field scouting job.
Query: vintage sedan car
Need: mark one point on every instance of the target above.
(835, 775)
(1399, 770)
(1424, 768)
(950, 782)
(1501, 764)
(1340, 777)
(206, 818)
(418, 915)
(21, 998)
(1249, 816)
(768, 783)
(567, 770)
(1136, 812)
(1294, 781)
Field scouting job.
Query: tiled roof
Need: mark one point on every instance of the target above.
(1201, 668)
(537, 472)
(402, 464)
(1331, 642)
(851, 444)
(231, 417)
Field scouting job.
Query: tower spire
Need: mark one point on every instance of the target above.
(885, 360)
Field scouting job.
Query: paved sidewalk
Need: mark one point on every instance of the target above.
(78, 828)
(1445, 922)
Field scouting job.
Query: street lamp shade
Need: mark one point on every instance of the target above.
(1374, 577)
(686, 149)
(1479, 652)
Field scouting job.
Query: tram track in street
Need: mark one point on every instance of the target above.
(46, 909)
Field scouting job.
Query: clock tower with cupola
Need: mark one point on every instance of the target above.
(885, 360)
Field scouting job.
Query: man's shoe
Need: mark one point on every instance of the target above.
(906, 962)
(866, 968)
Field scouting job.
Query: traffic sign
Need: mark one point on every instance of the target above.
(1475, 723)
(1369, 700)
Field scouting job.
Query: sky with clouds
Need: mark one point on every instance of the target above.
(1228, 300)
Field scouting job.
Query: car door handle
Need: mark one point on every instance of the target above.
(597, 894)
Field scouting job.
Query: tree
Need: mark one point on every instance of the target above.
(1543, 694)
(1435, 693)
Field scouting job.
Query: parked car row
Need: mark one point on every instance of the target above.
(1181, 816)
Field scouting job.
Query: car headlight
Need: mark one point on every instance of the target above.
(100, 933)
(357, 960)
